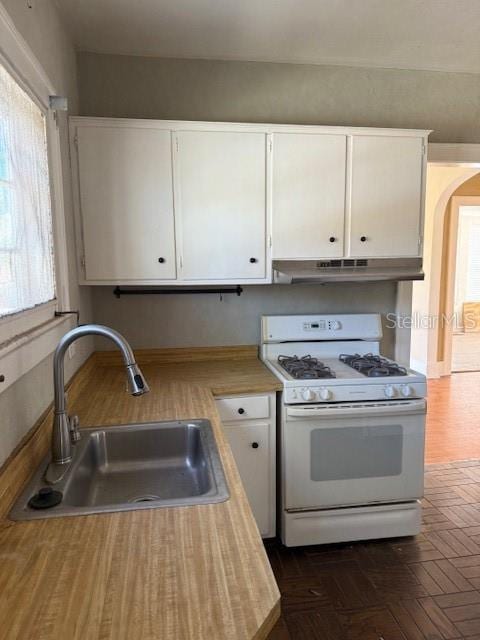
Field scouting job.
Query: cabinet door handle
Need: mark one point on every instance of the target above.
(252, 260)
(363, 239)
(333, 239)
(255, 445)
(161, 260)
(241, 411)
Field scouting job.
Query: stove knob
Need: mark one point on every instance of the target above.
(406, 390)
(308, 395)
(390, 391)
(325, 394)
(335, 325)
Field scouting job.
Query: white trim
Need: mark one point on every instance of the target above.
(27, 319)
(269, 141)
(58, 212)
(451, 271)
(18, 55)
(443, 369)
(29, 336)
(417, 365)
(347, 205)
(423, 203)
(77, 208)
(426, 341)
(23, 321)
(20, 356)
(452, 153)
(435, 268)
(257, 127)
(434, 370)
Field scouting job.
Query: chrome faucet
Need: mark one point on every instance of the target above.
(65, 430)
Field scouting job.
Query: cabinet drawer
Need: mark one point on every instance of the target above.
(243, 408)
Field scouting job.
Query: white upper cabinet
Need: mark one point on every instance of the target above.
(220, 201)
(165, 202)
(308, 195)
(386, 195)
(126, 203)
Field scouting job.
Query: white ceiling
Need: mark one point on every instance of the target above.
(407, 34)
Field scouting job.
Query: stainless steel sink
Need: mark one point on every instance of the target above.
(139, 466)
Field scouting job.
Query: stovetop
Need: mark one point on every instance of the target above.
(312, 379)
(335, 359)
(307, 367)
(372, 365)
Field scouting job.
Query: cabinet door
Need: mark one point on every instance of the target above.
(126, 202)
(386, 196)
(221, 201)
(254, 465)
(308, 204)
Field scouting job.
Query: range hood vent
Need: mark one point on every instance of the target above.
(347, 262)
(347, 270)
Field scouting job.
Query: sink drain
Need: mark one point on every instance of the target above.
(146, 498)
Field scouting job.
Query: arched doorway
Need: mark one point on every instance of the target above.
(458, 347)
(452, 424)
(427, 331)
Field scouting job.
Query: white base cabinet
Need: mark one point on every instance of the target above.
(249, 424)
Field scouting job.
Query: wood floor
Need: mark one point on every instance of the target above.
(453, 418)
(423, 588)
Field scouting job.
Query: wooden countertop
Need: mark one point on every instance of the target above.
(224, 370)
(188, 573)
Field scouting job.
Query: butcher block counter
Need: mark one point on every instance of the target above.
(185, 573)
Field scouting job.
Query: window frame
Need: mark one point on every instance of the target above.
(36, 329)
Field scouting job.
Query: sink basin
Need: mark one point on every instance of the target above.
(139, 466)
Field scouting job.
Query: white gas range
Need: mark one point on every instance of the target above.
(352, 430)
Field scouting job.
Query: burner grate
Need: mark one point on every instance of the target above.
(372, 365)
(305, 368)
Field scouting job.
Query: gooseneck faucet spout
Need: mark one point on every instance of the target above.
(65, 429)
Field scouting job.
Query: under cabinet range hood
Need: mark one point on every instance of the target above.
(346, 270)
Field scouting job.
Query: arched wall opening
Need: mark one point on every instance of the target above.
(429, 299)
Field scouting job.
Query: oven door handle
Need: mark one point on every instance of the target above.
(367, 409)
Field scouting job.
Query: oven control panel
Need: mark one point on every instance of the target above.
(322, 325)
(366, 326)
(348, 393)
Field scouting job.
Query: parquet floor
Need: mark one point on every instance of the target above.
(423, 588)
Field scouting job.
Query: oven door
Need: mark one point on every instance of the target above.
(352, 454)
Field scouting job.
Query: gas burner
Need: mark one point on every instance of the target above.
(305, 368)
(372, 365)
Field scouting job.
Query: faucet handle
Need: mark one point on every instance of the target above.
(74, 424)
